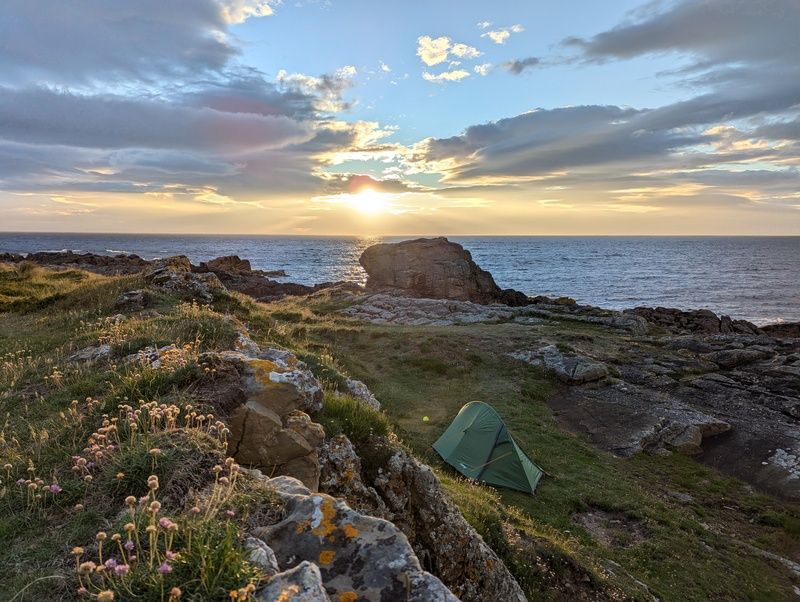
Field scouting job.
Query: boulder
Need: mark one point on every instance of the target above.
(433, 268)
(302, 583)
(229, 263)
(408, 493)
(101, 264)
(697, 321)
(266, 395)
(261, 555)
(135, 300)
(359, 557)
(732, 358)
(174, 275)
(783, 330)
(361, 392)
(91, 354)
(568, 367)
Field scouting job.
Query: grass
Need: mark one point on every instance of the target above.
(50, 408)
(60, 486)
(423, 376)
(342, 414)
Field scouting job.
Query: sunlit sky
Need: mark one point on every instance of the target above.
(416, 117)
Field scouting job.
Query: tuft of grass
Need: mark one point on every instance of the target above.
(343, 414)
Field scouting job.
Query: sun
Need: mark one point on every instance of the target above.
(370, 201)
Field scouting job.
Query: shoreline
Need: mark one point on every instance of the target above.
(104, 262)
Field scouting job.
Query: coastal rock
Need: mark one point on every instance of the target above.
(109, 265)
(408, 493)
(433, 268)
(174, 275)
(627, 419)
(361, 392)
(134, 300)
(302, 583)
(568, 367)
(359, 556)
(340, 475)
(91, 354)
(383, 308)
(732, 358)
(266, 395)
(697, 321)
(237, 274)
(261, 555)
(229, 263)
(782, 330)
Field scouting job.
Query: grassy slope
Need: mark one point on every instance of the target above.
(44, 317)
(693, 551)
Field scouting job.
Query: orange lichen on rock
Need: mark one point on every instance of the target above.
(326, 556)
(262, 369)
(326, 525)
(350, 531)
(289, 594)
(348, 596)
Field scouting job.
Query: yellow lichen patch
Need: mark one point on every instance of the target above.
(302, 526)
(350, 531)
(289, 593)
(262, 368)
(348, 596)
(326, 525)
(326, 556)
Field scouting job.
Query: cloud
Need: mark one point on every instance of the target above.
(483, 69)
(433, 51)
(327, 88)
(384, 67)
(89, 41)
(500, 36)
(518, 66)
(721, 31)
(45, 116)
(446, 76)
(464, 51)
(484, 24)
(238, 11)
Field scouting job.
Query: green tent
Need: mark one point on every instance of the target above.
(478, 445)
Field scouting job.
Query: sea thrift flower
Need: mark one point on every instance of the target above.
(129, 545)
(77, 551)
(230, 513)
(111, 564)
(82, 591)
(122, 570)
(175, 593)
(86, 567)
(164, 569)
(105, 596)
(130, 500)
(54, 488)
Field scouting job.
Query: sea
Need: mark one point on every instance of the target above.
(751, 278)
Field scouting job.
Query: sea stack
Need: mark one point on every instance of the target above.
(433, 268)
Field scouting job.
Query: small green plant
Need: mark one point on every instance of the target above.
(350, 416)
(152, 556)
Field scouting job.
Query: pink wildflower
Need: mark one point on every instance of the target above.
(164, 569)
(122, 570)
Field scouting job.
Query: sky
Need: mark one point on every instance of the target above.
(447, 117)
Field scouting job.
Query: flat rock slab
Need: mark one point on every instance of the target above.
(627, 420)
(568, 367)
